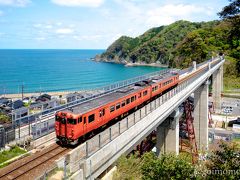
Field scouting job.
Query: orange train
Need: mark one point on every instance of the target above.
(75, 124)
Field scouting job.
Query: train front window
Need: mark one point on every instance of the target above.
(71, 121)
(63, 120)
(58, 119)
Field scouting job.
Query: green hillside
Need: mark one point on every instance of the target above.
(172, 44)
(180, 43)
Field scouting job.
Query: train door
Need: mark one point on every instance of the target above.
(101, 117)
(84, 124)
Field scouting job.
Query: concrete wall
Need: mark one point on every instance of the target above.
(42, 141)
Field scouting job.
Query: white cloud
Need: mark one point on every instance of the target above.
(171, 12)
(64, 31)
(96, 37)
(37, 25)
(177, 10)
(83, 3)
(49, 26)
(40, 38)
(20, 3)
(43, 26)
(59, 23)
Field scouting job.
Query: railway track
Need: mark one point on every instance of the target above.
(32, 166)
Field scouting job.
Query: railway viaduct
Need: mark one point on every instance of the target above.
(93, 157)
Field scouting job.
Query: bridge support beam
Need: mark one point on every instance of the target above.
(217, 87)
(201, 116)
(168, 135)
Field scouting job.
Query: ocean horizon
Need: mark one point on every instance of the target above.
(49, 70)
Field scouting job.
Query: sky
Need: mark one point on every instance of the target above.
(92, 24)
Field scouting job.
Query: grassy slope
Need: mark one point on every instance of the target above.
(13, 152)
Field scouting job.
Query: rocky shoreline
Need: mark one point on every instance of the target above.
(144, 64)
(128, 64)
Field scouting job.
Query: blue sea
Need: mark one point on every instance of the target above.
(60, 70)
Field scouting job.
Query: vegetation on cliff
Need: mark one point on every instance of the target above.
(182, 42)
(177, 44)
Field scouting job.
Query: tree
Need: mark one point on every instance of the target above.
(4, 118)
(224, 163)
(231, 11)
(232, 14)
(168, 166)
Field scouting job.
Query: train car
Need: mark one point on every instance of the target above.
(161, 84)
(74, 124)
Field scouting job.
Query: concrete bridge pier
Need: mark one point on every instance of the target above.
(168, 135)
(200, 121)
(217, 87)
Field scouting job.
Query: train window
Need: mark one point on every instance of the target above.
(140, 95)
(80, 120)
(71, 121)
(91, 118)
(112, 108)
(123, 103)
(152, 89)
(84, 119)
(156, 87)
(132, 99)
(103, 112)
(117, 105)
(128, 100)
(144, 93)
(135, 97)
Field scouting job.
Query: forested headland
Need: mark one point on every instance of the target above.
(178, 44)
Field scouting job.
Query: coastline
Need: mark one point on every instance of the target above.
(129, 64)
(144, 64)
